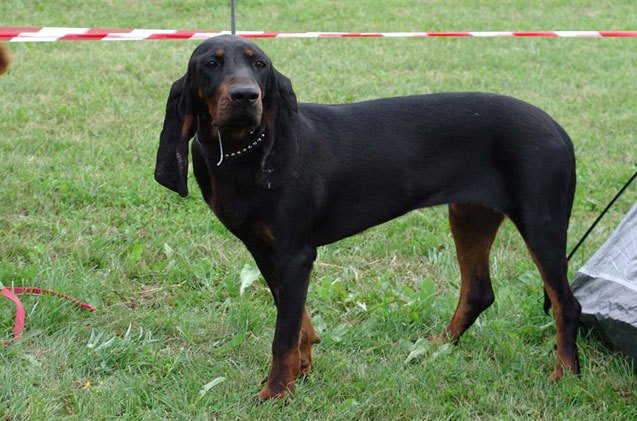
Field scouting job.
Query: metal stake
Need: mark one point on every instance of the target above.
(233, 26)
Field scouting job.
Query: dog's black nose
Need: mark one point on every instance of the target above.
(244, 94)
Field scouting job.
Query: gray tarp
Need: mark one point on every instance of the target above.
(606, 287)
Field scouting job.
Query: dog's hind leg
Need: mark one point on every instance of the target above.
(542, 215)
(546, 241)
(474, 228)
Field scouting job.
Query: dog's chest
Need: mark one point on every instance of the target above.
(230, 210)
(237, 210)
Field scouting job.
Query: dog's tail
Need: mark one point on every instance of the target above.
(570, 193)
(5, 58)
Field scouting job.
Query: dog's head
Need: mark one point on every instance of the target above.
(230, 86)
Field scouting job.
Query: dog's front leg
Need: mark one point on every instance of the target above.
(308, 338)
(294, 273)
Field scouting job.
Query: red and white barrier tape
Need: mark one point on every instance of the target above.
(48, 34)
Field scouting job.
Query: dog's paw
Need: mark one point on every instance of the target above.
(557, 374)
(306, 355)
(306, 363)
(280, 393)
(437, 339)
(305, 368)
(562, 369)
(444, 338)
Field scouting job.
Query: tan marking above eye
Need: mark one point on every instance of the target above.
(249, 52)
(219, 53)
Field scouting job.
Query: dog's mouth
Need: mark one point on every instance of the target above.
(240, 118)
(244, 120)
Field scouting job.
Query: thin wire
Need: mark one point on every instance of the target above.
(601, 215)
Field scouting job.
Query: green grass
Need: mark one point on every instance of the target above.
(81, 214)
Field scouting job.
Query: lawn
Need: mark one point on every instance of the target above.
(81, 214)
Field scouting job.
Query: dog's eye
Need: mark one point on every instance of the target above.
(259, 64)
(212, 63)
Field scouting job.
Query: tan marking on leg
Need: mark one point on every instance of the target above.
(280, 382)
(307, 338)
(563, 358)
(474, 228)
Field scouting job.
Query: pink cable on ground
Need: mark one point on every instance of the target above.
(19, 316)
(12, 294)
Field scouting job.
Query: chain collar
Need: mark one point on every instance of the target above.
(253, 144)
(247, 149)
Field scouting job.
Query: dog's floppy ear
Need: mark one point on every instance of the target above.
(171, 170)
(280, 157)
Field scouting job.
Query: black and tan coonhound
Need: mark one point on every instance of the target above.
(286, 178)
